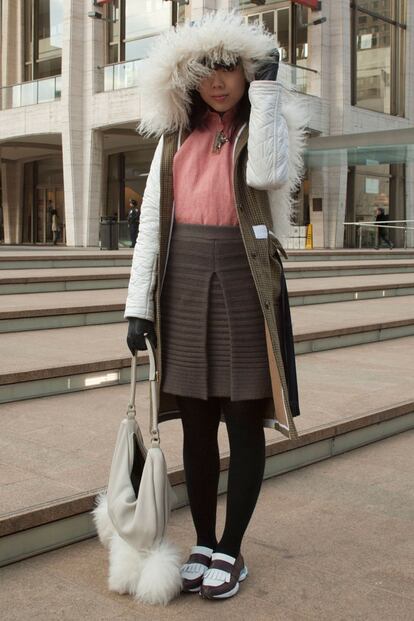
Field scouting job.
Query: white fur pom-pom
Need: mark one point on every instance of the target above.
(101, 519)
(160, 579)
(151, 576)
(125, 566)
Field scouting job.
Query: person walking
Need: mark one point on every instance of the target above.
(133, 221)
(207, 283)
(382, 236)
(55, 226)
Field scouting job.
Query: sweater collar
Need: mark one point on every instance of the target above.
(217, 122)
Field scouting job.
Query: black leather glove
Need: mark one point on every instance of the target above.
(269, 70)
(137, 328)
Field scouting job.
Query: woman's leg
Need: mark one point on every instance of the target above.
(200, 420)
(244, 420)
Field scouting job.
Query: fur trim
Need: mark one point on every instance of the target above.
(173, 67)
(101, 519)
(151, 576)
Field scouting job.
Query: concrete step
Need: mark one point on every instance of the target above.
(64, 257)
(57, 361)
(62, 279)
(56, 451)
(61, 309)
(339, 536)
(302, 290)
(346, 254)
(342, 324)
(88, 307)
(347, 288)
(331, 268)
(22, 254)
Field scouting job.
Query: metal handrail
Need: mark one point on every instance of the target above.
(29, 93)
(381, 224)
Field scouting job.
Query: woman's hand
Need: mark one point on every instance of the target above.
(269, 70)
(137, 329)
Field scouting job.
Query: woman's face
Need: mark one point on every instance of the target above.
(224, 88)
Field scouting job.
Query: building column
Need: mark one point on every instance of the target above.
(334, 215)
(94, 187)
(11, 43)
(82, 148)
(12, 195)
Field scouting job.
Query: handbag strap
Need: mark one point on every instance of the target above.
(153, 379)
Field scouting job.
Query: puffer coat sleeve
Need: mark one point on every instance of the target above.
(268, 142)
(140, 298)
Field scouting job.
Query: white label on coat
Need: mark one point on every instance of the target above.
(260, 231)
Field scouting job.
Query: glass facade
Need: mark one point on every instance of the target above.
(127, 178)
(378, 53)
(43, 191)
(43, 27)
(288, 22)
(133, 26)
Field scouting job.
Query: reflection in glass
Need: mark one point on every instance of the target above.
(28, 94)
(49, 28)
(282, 30)
(143, 19)
(372, 190)
(46, 90)
(382, 7)
(373, 64)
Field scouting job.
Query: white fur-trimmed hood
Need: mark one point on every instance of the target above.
(173, 67)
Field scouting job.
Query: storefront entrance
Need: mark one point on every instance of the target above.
(47, 199)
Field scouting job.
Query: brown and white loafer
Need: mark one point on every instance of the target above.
(222, 578)
(192, 572)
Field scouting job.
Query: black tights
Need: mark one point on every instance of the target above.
(244, 423)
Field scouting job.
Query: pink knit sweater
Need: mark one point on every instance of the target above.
(203, 181)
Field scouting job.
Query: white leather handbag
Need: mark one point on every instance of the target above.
(132, 517)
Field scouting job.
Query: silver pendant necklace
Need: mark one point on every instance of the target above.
(219, 140)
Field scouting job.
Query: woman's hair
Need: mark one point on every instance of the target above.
(199, 108)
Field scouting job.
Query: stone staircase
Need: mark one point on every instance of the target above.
(65, 370)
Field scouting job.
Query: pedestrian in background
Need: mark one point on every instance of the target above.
(133, 221)
(55, 226)
(382, 232)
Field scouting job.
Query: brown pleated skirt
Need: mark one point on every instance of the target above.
(212, 326)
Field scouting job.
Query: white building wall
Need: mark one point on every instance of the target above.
(82, 114)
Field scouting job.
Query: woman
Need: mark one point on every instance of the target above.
(55, 226)
(207, 283)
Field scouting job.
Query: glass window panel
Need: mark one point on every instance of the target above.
(374, 65)
(28, 93)
(146, 18)
(50, 171)
(301, 35)
(46, 90)
(253, 19)
(49, 68)
(113, 54)
(283, 32)
(108, 78)
(114, 15)
(28, 43)
(382, 7)
(268, 19)
(49, 28)
(58, 86)
(138, 49)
